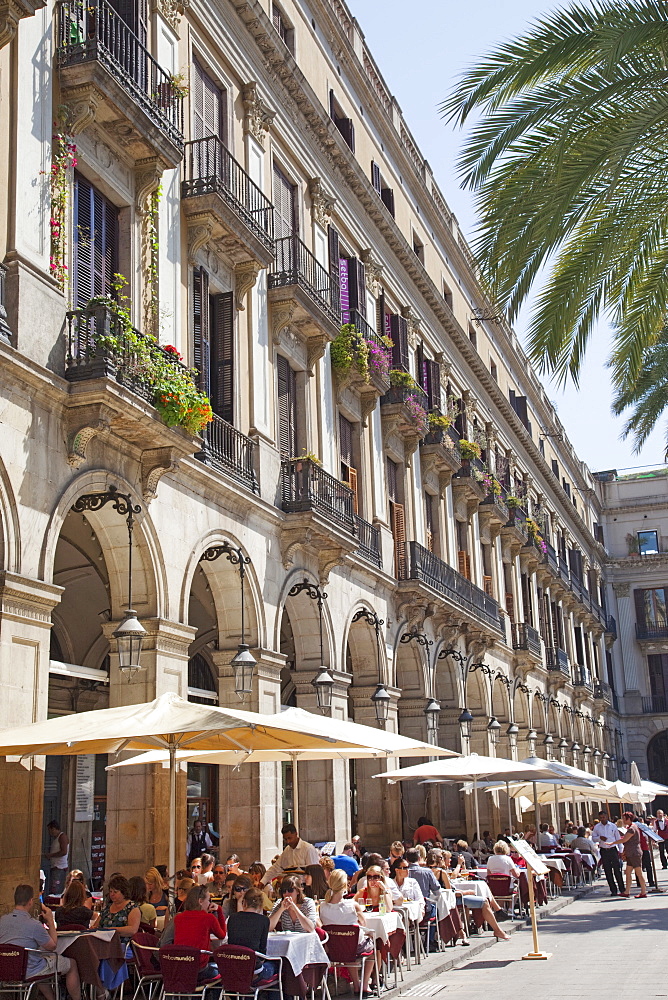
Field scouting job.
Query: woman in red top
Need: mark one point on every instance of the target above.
(195, 925)
(425, 831)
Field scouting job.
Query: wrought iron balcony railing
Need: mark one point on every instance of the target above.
(582, 678)
(307, 487)
(425, 566)
(99, 344)
(228, 449)
(655, 704)
(525, 637)
(369, 536)
(611, 625)
(210, 168)
(650, 630)
(603, 692)
(557, 659)
(294, 264)
(402, 393)
(5, 332)
(91, 30)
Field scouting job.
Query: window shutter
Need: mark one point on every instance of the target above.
(399, 335)
(346, 440)
(510, 607)
(95, 258)
(375, 176)
(641, 608)
(347, 130)
(222, 359)
(332, 103)
(201, 339)
(387, 197)
(381, 315)
(82, 278)
(487, 585)
(463, 563)
(352, 479)
(284, 205)
(398, 525)
(421, 372)
(392, 480)
(433, 386)
(333, 240)
(356, 285)
(287, 398)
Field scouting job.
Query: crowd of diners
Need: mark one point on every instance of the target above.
(302, 890)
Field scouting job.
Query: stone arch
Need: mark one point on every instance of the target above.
(10, 526)
(149, 578)
(222, 583)
(411, 660)
(366, 658)
(501, 701)
(554, 720)
(303, 614)
(447, 679)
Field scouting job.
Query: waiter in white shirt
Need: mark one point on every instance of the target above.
(604, 834)
(661, 827)
(297, 854)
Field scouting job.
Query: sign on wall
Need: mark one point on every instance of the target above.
(85, 788)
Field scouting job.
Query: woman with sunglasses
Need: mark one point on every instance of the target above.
(240, 886)
(295, 911)
(374, 890)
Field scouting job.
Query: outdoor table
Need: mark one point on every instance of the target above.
(411, 913)
(88, 949)
(381, 925)
(553, 862)
(472, 887)
(297, 948)
(447, 915)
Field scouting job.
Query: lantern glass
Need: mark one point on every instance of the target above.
(381, 702)
(129, 637)
(324, 685)
(244, 666)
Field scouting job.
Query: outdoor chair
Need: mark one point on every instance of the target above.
(236, 968)
(13, 968)
(180, 968)
(342, 951)
(145, 949)
(504, 890)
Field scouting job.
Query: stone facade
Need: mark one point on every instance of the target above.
(300, 203)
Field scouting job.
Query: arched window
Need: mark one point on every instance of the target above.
(201, 681)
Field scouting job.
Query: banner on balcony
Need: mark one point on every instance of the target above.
(344, 287)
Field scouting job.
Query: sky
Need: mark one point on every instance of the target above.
(421, 49)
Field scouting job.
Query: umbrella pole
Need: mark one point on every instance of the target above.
(556, 809)
(295, 791)
(475, 800)
(536, 813)
(171, 870)
(510, 811)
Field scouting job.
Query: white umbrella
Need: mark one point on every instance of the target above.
(168, 723)
(568, 772)
(353, 742)
(470, 768)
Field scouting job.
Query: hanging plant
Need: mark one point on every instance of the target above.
(402, 380)
(492, 485)
(380, 357)
(153, 241)
(63, 157)
(469, 449)
(535, 535)
(349, 350)
(437, 421)
(512, 502)
(418, 413)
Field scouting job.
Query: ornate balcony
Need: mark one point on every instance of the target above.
(611, 626)
(319, 514)
(368, 375)
(107, 75)
(463, 598)
(582, 679)
(651, 632)
(439, 452)
(603, 693)
(218, 194)
(380, 380)
(493, 509)
(229, 450)
(369, 540)
(527, 639)
(404, 413)
(109, 393)
(557, 661)
(655, 704)
(304, 298)
(514, 533)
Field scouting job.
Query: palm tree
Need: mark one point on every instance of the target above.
(647, 394)
(569, 159)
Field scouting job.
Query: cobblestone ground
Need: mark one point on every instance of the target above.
(598, 944)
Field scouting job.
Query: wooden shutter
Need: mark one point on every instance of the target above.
(206, 103)
(487, 585)
(433, 387)
(375, 176)
(287, 408)
(381, 315)
(399, 335)
(356, 285)
(95, 257)
(387, 197)
(201, 337)
(352, 479)
(334, 251)
(392, 480)
(464, 563)
(285, 213)
(345, 440)
(429, 502)
(510, 607)
(398, 525)
(222, 356)
(420, 373)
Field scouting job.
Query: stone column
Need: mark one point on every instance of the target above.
(250, 797)
(138, 797)
(379, 802)
(631, 657)
(324, 786)
(25, 625)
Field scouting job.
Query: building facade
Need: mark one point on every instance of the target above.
(377, 430)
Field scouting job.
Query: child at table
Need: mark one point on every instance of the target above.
(248, 927)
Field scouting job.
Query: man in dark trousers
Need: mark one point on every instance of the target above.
(604, 834)
(661, 826)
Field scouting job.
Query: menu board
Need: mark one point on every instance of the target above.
(97, 858)
(85, 790)
(533, 860)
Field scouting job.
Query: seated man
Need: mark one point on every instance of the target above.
(582, 843)
(546, 840)
(346, 860)
(20, 928)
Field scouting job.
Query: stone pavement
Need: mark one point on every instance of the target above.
(598, 943)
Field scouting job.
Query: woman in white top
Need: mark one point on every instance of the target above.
(337, 910)
(500, 863)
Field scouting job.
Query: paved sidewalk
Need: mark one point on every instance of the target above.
(598, 944)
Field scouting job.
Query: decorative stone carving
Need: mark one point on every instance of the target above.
(200, 231)
(413, 323)
(10, 15)
(171, 10)
(245, 277)
(258, 115)
(281, 314)
(622, 589)
(155, 463)
(314, 351)
(82, 104)
(148, 175)
(322, 204)
(367, 406)
(373, 271)
(84, 422)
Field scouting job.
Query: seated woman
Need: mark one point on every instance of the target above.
(337, 910)
(374, 889)
(487, 907)
(233, 864)
(248, 927)
(500, 862)
(118, 911)
(436, 863)
(408, 887)
(295, 911)
(183, 887)
(73, 909)
(139, 895)
(206, 873)
(76, 875)
(327, 865)
(315, 884)
(240, 886)
(194, 927)
(256, 873)
(156, 893)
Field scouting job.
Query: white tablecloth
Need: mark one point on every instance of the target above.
(554, 863)
(412, 908)
(472, 887)
(381, 925)
(299, 949)
(65, 938)
(445, 902)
